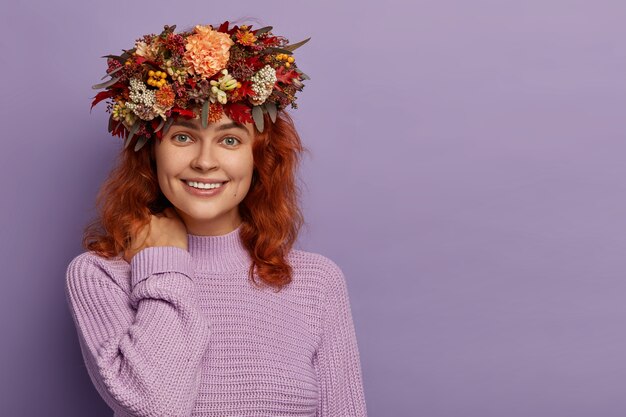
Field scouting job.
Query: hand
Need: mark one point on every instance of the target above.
(164, 229)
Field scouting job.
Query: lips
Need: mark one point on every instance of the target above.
(211, 182)
(205, 181)
(211, 186)
(208, 192)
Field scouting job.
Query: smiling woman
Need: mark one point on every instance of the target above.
(190, 298)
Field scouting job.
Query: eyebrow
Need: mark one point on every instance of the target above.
(191, 125)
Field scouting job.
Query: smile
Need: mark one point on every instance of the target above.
(203, 190)
(204, 186)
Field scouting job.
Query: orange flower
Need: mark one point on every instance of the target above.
(215, 112)
(245, 37)
(207, 51)
(165, 96)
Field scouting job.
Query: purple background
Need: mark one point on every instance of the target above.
(467, 174)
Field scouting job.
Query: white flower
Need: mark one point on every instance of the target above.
(226, 82)
(140, 94)
(218, 95)
(220, 86)
(148, 52)
(143, 100)
(263, 84)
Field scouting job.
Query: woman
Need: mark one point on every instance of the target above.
(190, 299)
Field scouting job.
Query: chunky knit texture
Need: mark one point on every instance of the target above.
(185, 333)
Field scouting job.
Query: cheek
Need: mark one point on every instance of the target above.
(167, 167)
(162, 170)
(241, 169)
(240, 166)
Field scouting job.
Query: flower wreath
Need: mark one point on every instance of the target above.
(241, 72)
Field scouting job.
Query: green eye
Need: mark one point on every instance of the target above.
(179, 135)
(231, 143)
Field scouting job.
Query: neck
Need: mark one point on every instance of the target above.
(219, 252)
(220, 225)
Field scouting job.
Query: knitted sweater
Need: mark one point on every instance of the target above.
(185, 333)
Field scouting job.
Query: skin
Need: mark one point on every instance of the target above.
(188, 152)
(164, 229)
(197, 152)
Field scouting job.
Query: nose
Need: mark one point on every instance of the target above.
(206, 158)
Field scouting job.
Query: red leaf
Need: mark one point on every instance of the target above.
(238, 112)
(120, 86)
(183, 112)
(101, 96)
(270, 41)
(120, 131)
(223, 27)
(151, 62)
(255, 62)
(285, 76)
(245, 89)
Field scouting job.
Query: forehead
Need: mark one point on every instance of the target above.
(223, 124)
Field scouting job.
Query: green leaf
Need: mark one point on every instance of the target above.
(140, 142)
(112, 122)
(279, 93)
(112, 72)
(168, 30)
(205, 114)
(115, 57)
(295, 46)
(160, 125)
(262, 30)
(131, 134)
(257, 115)
(105, 84)
(303, 75)
(271, 109)
(273, 49)
(168, 123)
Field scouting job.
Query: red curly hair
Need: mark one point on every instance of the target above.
(270, 211)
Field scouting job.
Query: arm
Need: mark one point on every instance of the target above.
(337, 361)
(147, 348)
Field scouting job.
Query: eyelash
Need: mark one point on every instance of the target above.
(182, 134)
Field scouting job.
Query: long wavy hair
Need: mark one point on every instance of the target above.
(270, 211)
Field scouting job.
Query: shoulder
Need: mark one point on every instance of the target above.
(325, 270)
(314, 261)
(90, 269)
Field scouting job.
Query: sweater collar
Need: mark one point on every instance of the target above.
(219, 253)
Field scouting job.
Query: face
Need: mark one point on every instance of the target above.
(221, 152)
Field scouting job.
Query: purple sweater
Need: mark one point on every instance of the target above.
(184, 333)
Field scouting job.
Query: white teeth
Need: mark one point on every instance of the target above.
(204, 186)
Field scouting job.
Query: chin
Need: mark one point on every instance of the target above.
(206, 212)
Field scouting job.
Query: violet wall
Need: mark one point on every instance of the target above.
(466, 172)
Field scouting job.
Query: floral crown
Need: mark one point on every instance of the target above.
(239, 72)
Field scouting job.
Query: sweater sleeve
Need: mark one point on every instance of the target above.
(144, 348)
(337, 361)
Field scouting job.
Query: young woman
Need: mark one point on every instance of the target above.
(190, 298)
